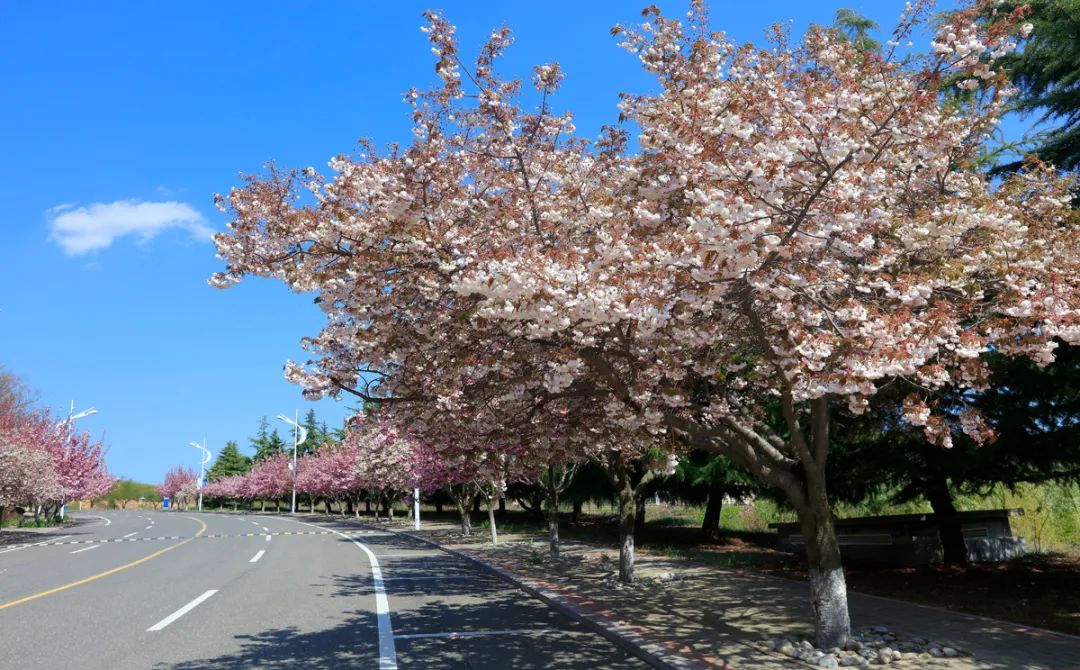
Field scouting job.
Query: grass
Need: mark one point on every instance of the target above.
(17, 522)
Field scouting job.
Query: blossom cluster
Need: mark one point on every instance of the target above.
(45, 462)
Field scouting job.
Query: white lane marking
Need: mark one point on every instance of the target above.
(256, 523)
(108, 522)
(149, 527)
(36, 544)
(266, 529)
(387, 651)
(257, 556)
(267, 538)
(129, 535)
(403, 579)
(477, 633)
(79, 551)
(180, 612)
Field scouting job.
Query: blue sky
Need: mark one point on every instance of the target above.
(118, 122)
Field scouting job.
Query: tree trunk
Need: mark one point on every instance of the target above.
(438, 507)
(367, 505)
(389, 509)
(263, 505)
(954, 549)
(502, 505)
(710, 525)
(553, 523)
(626, 522)
(639, 514)
(828, 588)
(575, 516)
(476, 505)
(466, 520)
(491, 519)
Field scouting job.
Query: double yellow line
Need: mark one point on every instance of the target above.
(99, 575)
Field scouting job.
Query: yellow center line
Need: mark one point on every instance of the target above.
(91, 578)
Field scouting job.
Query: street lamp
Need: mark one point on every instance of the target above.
(299, 437)
(72, 418)
(202, 466)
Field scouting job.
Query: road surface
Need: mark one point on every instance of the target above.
(138, 589)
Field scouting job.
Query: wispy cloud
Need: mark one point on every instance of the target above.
(80, 230)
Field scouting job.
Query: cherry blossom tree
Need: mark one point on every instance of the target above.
(180, 486)
(801, 226)
(270, 478)
(332, 473)
(76, 461)
(26, 475)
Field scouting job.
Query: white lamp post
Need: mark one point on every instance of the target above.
(72, 418)
(202, 466)
(299, 437)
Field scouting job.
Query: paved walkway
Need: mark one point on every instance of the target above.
(710, 617)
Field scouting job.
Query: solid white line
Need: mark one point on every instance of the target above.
(79, 551)
(387, 651)
(257, 556)
(394, 579)
(129, 535)
(477, 633)
(180, 612)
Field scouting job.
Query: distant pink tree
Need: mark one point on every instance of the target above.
(270, 479)
(332, 473)
(179, 485)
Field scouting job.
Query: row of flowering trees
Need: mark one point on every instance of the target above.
(794, 229)
(45, 463)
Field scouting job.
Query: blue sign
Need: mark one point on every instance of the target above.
(164, 503)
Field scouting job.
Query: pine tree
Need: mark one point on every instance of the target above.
(258, 443)
(265, 443)
(856, 28)
(314, 434)
(229, 462)
(274, 445)
(1047, 72)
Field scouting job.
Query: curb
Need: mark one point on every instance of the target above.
(615, 631)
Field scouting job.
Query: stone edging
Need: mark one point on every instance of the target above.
(618, 632)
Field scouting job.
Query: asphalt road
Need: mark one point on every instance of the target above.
(212, 591)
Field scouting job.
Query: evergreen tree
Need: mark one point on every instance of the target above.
(855, 28)
(315, 437)
(1034, 411)
(1047, 72)
(266, 443)
(259, 442)
(275, 444)
(229, 462)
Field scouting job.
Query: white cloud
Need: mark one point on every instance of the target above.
(80, 230)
